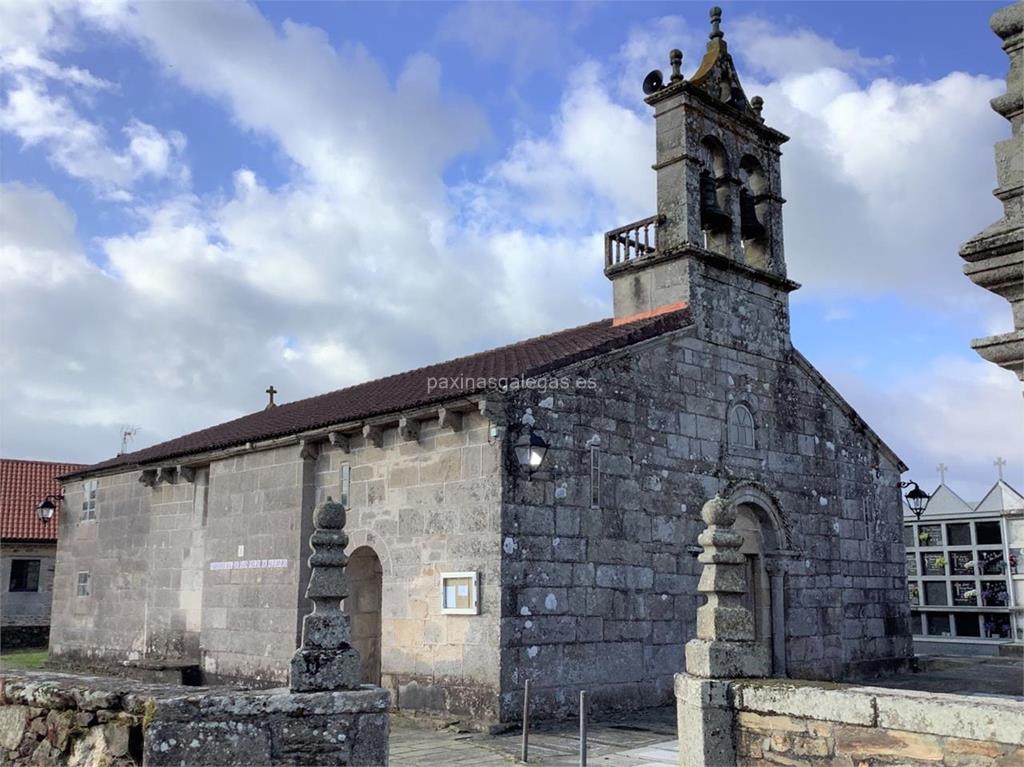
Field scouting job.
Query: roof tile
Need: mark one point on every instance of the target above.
(408, 390)
(23, 484)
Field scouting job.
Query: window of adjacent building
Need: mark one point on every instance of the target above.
(967, 625)
(24, 575)
(938, 624)
(344, 484)
(988, 533)
(84, 585)
(201, 492)
(459, 593)
(916, 624)
(741, 427)
(959, 534)
(935, 593)
(89, 488)
(957, 580)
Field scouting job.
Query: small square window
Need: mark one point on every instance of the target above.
(89, 488)
(84, 585)
(24, 575)
(989, 533)
(908, 536)
(916, 626)
(459, 593)
(935, 593)
(912, 564)
(959, 534)
(967, 625)
(344, 484)
(938, 624)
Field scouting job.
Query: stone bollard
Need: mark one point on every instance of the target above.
(724, 648)
(326, 660)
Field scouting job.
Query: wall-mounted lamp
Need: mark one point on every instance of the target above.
(917, 499)
(48, 506)
(530, 450)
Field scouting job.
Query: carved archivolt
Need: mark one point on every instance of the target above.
(755, 495)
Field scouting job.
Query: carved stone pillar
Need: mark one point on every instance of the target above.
(726, 645)
(326, 659)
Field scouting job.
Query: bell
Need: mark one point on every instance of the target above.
(750, 227)
(712, 217)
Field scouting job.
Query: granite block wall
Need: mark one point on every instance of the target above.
(135, 552)
(603, 596)
(426, 507)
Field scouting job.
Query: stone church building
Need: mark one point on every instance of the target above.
(473, 571)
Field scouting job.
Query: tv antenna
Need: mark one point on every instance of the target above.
(128, 433)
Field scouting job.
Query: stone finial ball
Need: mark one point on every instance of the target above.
(675, 55)
(329, 515)
(715, 13)
(718, 512)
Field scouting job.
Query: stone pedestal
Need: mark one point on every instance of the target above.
(724, 649)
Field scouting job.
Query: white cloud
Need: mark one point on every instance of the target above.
(363, 262)
(952, 410)
(781, 52)
(39, 107)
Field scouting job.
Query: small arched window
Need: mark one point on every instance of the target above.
(741, 427)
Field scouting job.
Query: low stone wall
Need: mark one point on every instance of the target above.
(55, 719)
(69, 719)
(808, 723)
(273, 728)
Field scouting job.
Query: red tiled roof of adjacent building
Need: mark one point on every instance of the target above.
(404, 391)
(23, 484)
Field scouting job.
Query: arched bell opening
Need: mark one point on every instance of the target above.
(715, 220)
(754, 212)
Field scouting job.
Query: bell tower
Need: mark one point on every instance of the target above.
(715, 243)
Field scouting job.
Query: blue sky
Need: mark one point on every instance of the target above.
(209, 198)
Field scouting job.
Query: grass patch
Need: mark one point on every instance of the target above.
(22, 660)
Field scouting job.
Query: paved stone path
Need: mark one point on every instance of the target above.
(647, 740)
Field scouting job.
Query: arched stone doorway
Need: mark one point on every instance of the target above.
(364, 607)
(758, 598)
(766, 546)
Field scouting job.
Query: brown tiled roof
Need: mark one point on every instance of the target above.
(404, 391)
(23, 484)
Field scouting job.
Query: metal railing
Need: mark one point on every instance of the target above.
(632, 241)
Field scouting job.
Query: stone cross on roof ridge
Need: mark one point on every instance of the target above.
(999, 463)
(942, 469)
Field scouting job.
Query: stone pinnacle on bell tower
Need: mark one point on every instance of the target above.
(719, 202)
